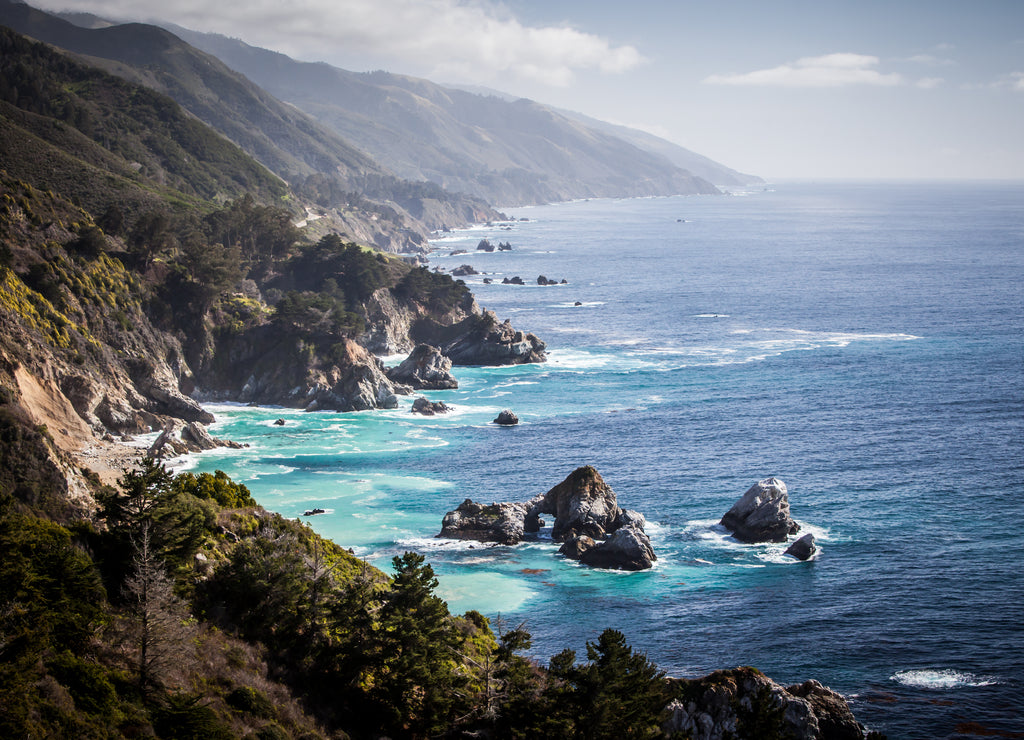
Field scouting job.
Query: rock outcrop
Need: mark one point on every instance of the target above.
(501, 523)
(483, 340)
(581, 504)
(507, 418)
(761, 514)
(743, 702)
(425, 368)
(628, 548)
(429, 408)
(803, 548)
(587, 519)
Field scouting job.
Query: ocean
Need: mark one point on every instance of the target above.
(864, 342)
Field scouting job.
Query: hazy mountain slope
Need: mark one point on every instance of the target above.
(93, 136)
(285, 140)
(506, 152)
(698, 164)
(360, 197)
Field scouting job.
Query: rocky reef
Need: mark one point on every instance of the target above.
(743, 702)
(588, 521)
(761, 514)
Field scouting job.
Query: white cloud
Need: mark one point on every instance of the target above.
(1016, 81)
(830, 70)
(929, 83)
(472, 40)
(930, 60)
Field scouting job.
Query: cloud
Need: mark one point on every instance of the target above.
(830, 70)
(930, 60)
(929, 83)
(472, 40)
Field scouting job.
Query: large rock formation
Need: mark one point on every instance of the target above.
(587, 519)
(581, 504)
(745, 703)
(761, 514)
(480, 339)
(501, 523)
(425, 368)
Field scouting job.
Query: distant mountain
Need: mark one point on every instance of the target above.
(698, 164)
(507, 152)
(319, 164)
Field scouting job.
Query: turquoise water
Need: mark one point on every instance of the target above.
(861, 342)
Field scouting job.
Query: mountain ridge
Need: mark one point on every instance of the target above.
(509, 153)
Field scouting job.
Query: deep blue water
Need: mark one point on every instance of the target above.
(862, 342)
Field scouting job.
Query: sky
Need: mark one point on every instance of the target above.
(784, 89)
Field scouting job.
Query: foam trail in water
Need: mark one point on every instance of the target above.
(944, 678)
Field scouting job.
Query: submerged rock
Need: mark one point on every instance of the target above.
(761, 514)
(803, 548)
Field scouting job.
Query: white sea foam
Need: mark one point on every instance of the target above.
(941, 678)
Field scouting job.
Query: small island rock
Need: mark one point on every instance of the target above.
(429, 408)
(507, 418)
(803, 548)
(501, 523)
(761, 514)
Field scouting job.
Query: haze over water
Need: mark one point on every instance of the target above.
(862, 342)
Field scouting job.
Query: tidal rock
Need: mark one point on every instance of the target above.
(513, 281)
(197, 435)
(628, 548)
(581, 504)
(577, 546)
(761, 514)
(501, 523)
(429, 408)
(507, 418)
(464, 270)
(485, 245)
(485, 341)
(835, 720)
(803, 548)
(541, 280)
(716, 706)
(279, 423)
(425, 367)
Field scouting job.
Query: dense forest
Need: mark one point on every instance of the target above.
(185, 610)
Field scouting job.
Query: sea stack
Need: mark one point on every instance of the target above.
(761, 514)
